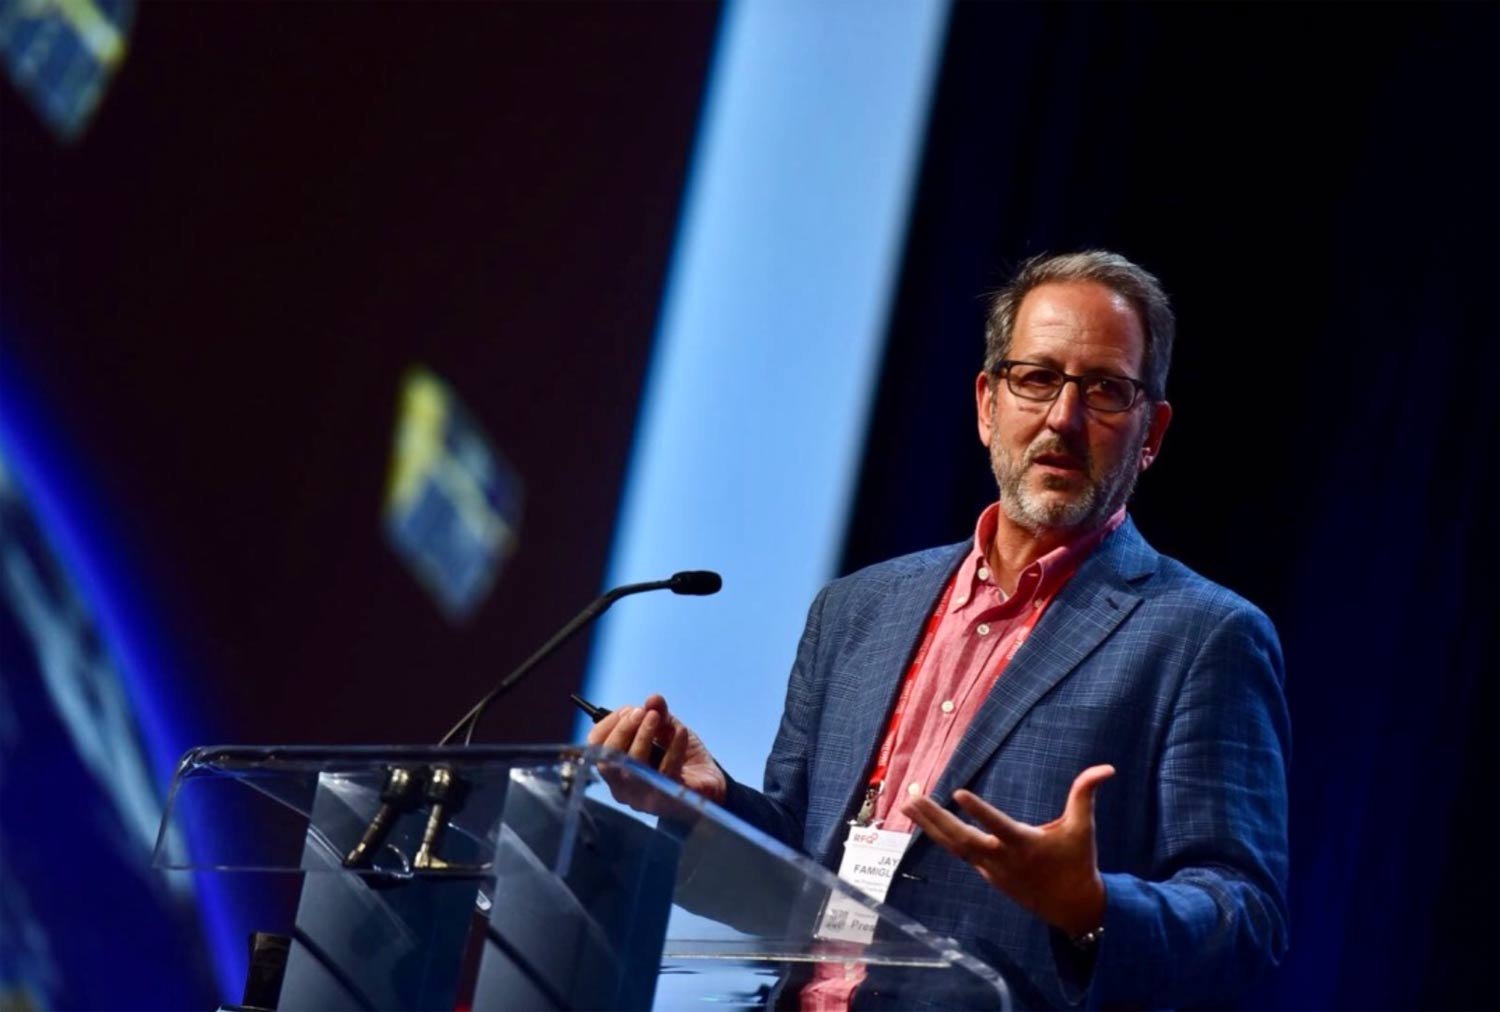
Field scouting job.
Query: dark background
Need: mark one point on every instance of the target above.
(213, 296)
(1317, 188)
(277, 211)
(209, 302)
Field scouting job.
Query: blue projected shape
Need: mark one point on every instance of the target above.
(453, 501)
(771, 334)
(77, 544)
(61, 55)
(85, 921)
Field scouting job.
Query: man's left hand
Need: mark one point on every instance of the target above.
(1052, 869)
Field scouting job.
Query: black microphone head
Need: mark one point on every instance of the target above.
(696, 581)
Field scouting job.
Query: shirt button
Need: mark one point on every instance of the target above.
(962, 599)
(984, 629)
(984, 574)
(914, 788)
(1039, 604)
(947, 706)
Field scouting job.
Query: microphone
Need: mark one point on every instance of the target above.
(697, 582)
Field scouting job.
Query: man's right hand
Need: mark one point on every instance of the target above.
(632, 729)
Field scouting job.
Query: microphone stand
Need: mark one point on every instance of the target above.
(567, 632)
(441, 788)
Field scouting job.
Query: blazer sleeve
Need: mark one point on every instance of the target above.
(781, 809)
(1212, 914)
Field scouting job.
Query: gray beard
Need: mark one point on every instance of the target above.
(1087, 510)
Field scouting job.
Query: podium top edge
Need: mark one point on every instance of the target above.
(306, 756)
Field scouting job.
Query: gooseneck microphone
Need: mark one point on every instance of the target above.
(697, 582)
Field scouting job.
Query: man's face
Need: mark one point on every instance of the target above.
(1060, 465)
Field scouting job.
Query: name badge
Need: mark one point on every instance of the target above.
(869, 864)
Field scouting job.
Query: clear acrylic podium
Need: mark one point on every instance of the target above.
(537, 877)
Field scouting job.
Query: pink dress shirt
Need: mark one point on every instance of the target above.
(978, 632)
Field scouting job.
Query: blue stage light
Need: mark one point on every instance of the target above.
(86, 545)
(767, 351)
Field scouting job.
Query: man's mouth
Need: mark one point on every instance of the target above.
(1059, 461)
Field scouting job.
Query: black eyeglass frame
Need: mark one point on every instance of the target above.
(1004, 366)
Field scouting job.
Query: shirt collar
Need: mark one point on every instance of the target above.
(1043, 576)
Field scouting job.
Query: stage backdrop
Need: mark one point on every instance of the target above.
(208, 302)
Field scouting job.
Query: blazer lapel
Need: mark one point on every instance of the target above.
(899, 621)
(1087, 610)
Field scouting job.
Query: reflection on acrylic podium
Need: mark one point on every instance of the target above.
(519, 878)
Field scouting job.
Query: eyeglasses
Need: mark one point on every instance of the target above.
(1100, 391)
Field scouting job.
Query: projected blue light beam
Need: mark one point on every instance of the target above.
(84, 546)
(768, 347)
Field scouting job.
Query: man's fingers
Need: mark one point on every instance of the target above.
(656, 701)
(600, 732)
(935, 822)
(668, 730)
(1081, 794)
(645, 733)
(627, 733)
(949, 831)
(622, 725)
(671, 763)
(1005, 828)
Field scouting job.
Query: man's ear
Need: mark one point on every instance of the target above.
(985, 388)
(1161, 417)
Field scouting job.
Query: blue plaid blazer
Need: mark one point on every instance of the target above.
(1138, 662)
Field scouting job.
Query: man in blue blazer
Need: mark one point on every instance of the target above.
(1084, 655)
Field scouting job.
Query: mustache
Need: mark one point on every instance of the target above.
(1056, 444)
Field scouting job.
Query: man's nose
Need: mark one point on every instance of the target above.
(1066, 414)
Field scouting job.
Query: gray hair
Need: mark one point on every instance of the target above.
(1128, 280)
